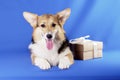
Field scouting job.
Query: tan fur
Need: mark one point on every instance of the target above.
(70, 56)
(33, 56)
(47, 20)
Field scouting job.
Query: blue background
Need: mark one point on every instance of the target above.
(98, 18)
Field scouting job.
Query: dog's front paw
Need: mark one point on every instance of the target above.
(64, 63)
(42, 63)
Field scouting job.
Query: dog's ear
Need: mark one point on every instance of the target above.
(63, 15)
(31, 18)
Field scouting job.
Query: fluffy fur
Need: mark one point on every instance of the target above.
(60, 53)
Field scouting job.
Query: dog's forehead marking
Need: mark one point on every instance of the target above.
(47, 18)
(48, 15)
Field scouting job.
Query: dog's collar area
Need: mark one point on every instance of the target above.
(64, 45)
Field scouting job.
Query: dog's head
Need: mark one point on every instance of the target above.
(49, 27)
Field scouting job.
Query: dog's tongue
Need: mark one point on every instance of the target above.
(49, 44)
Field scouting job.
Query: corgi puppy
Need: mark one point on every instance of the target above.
(49, 45)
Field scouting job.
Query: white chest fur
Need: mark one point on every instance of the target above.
(41, 51)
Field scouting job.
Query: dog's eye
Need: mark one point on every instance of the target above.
(43, 25)
(53, 24)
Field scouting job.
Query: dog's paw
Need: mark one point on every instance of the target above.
(42, 64)
(64, 63)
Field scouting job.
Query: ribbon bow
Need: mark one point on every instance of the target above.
(79, 40)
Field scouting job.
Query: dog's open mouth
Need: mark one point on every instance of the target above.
(49, 44)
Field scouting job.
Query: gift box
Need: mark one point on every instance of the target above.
(85, 49)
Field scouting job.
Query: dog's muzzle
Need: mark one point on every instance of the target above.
(49, 38)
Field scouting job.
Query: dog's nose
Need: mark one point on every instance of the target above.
(49, 36)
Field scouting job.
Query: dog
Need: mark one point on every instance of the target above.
(49, 46)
